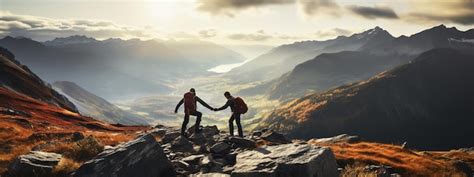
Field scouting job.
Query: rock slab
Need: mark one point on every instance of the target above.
(34, 164)
(142, 157)
(286, 160)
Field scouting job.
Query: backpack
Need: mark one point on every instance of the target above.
(240, 106)
(189, 103)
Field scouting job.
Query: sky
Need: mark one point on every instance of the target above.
(228, 22)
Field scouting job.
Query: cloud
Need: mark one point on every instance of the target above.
(210, 33)
(228, 7)
(257, 36)
(440, 11)
(332, 33)
(374, 12)
(40, 28)
(231, 7)
(313, 7)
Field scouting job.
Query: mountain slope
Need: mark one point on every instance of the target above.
(428, 103)
(284, 58)
(331, 70)
(19, 78)
(91, 105)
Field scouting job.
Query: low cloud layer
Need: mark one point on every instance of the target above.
(40, 28)
(321, 34)
(258, 36)
(374, 12)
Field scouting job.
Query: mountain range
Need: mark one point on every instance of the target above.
(382, 52)
(103, 66)
(427, 103)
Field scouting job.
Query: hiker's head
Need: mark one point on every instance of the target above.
(192, 91)
(227, 95)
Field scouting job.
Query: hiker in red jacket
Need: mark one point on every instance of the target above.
(190, 108)
(238, 107)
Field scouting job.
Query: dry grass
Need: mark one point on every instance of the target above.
(404, 161)
(357, 170)
(65, 168)
(49, 128)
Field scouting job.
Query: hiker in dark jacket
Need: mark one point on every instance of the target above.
(190, 108)
(238, 107)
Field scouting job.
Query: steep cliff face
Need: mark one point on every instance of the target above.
(428, 102)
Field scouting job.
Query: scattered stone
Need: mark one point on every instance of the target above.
(256, 134)
(169, 137)
(343, 138)
(198, 138)
(210, 175)
(193, 159)
(220, 148)
(243, 143)
(274, 137)
(301, 160)
(142, 157)
(182, 144)
(157, 132)
(34, 164)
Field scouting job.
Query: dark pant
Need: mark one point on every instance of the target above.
(186, 120)
(236, 117)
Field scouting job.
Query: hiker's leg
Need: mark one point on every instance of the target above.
(231, 125)
(185, 123)
(198, 121)
(239, 126)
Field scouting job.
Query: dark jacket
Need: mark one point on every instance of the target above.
(230, 103)
(196, 99)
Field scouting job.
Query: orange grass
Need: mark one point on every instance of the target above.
(407, 162)
(48, 128)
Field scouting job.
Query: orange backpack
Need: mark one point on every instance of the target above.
(240, 106)
(189, 103)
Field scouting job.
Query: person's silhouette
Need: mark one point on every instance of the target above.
(238, 107)
(190, 108)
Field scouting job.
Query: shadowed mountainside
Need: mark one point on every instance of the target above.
(426, 103)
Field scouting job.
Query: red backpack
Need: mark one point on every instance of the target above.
(189, 103)
(240, 106)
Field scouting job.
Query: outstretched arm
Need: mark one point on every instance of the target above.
(179, 105)
(227, 104)
(204, 103)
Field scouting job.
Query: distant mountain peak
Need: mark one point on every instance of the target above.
(75, 39)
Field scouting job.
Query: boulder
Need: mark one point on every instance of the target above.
(286, 160)
(170, 136)
(274, 137)
(243, 143)
(34, 164)
(182, 144)
(344, 138)
(198, 138)
(142, 157)
(220, 148)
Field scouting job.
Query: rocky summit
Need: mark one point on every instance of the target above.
(160, 152)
